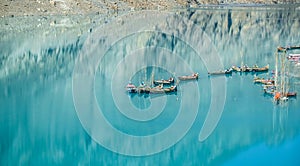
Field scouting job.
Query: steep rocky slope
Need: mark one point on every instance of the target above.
(59, 7)
(240, 34)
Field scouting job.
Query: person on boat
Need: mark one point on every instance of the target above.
(277, 96)
(160, 86)
(174, 88)
(228, 70)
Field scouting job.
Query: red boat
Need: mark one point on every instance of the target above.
(294, 57)
(131, 88)
(291, 94)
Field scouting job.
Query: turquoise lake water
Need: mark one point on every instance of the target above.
(74, 109)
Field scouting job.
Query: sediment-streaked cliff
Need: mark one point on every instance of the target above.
(239, 35)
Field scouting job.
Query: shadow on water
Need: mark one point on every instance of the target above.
(39, 124)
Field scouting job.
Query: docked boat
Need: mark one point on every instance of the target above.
(269, 89)
(144, 89)
(294, 57)
(155, 90)
(278, 96)
(169, 81)
(160, 89)
(194, 76)
(244, 68)
(131, 88)
(281, 49)
(260, 69)
(269, 86)
(221, 72)
(172, 88)
(284, 49)
(236, 68)
(292, 47)
(263, 81)
(291, 94)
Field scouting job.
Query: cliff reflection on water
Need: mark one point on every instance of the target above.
(39, 122)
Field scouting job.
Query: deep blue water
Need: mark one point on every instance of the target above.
(51, 115)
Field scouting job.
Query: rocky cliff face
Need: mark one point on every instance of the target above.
(249, 35)
(239, 35)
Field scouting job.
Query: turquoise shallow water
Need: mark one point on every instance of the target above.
(40, 116)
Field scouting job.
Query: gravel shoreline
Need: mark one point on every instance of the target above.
(12, 8)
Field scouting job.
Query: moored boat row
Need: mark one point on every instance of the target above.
(147, 89)
(244, 68)
(275, 87)
(160, 86)
(255, 68)
(282, 82)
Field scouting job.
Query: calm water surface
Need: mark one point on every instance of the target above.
(39, 123)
